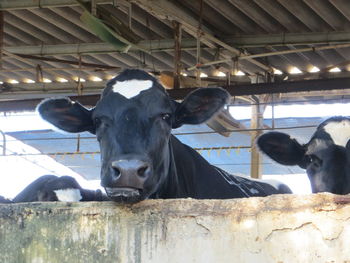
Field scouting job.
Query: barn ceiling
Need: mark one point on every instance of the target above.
(60, 41)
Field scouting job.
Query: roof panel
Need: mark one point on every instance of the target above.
(222, 20)
(329, 14)
(306, 15)
(260, 17)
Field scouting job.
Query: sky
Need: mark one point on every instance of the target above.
(19, 171)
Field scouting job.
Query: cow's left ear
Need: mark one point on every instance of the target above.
(199, 106)
(67, 115)
(281, 148)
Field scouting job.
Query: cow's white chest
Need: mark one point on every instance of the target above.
(339, 132)
(131, 88)
(68, 195)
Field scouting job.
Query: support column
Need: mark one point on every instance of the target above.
(177, 55)
(1, 37)
(256, 123)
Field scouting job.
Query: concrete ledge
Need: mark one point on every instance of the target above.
(281, 228)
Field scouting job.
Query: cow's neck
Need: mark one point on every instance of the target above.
(186, 171)
(346, 182)
(174, 186)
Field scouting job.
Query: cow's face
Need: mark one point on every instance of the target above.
(326, 163)
(133, 122)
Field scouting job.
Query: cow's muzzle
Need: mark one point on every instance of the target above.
(126, 178)
(123, 194)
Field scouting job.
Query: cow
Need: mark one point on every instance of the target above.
(325, 157)
(4, 200)
(140, 157)
(53, 188)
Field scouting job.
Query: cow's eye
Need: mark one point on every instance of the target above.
(165, 116)
(313, 159)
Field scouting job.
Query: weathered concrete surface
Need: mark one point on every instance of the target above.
(282, 228)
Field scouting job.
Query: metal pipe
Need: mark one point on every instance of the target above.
(58, 69)
(99, 48)
(29, 4)
(4, 143)
(275, 53)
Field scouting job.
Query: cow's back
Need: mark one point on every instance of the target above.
(30, 193)
(198, 179)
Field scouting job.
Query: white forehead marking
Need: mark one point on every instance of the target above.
(339, 132)
(131, 88)
(68, 195)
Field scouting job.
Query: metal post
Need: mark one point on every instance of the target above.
(130, 15)
(256, 123)
(4, 143)
(1, 36)
(199, 36)
(93, 7)
(177, 56)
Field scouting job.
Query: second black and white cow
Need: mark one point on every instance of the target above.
(326, 157)
(140, 158)
(52, 188)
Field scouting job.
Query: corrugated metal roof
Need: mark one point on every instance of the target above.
(249, 27)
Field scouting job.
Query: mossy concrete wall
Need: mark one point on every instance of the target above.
(281, 228)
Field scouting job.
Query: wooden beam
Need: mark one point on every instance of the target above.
(1, 37)
(156, 45)
(30, 4)
(177, 54)
(179, 94)
(281, 87)
(70, 62)
(255, 156)
(30, 105)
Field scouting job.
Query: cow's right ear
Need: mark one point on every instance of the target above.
(282, 149)
(67, 115)
(199, 106)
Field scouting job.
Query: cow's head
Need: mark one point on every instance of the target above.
(325, 157)
(133, 122)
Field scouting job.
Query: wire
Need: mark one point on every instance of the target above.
(179, 133)
(250, 130)
(290, 102)
(98, 152)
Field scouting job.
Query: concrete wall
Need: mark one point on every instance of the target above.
(282, 228)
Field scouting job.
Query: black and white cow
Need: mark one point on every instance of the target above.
(52, 188)
(140, 158)
(4, 200)
(325, 157)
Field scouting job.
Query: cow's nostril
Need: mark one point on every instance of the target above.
(142, 171)
(117, 172)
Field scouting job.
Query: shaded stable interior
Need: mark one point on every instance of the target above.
(48, 50)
